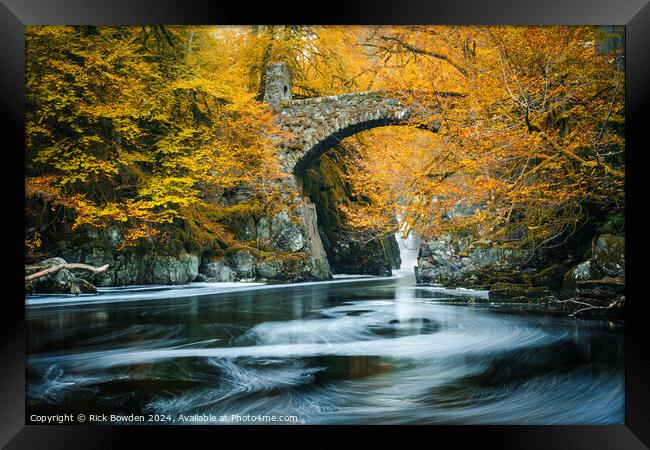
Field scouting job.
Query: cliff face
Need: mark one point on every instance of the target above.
(326, 185)
(284, 247)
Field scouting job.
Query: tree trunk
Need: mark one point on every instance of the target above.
(55, 269)
(264, 64)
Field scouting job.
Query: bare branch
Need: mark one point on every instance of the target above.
(422, 51)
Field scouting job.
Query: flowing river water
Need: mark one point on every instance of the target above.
(350, 351)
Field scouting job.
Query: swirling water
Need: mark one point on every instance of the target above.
(358, 351)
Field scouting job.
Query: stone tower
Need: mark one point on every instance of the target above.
(278, 84)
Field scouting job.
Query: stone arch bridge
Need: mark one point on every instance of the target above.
(314, 125)
(309, 127)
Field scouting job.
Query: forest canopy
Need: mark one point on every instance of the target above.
(160, 130)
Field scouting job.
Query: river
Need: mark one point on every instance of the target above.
(350, 351)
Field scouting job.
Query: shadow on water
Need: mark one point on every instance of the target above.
(368, 351)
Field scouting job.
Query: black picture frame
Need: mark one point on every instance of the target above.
(15, 14)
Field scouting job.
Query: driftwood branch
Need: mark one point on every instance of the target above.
(55, 269)
(588, 306)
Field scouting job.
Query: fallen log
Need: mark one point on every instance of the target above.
(69, 266)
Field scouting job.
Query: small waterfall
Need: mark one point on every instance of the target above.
(408, 249)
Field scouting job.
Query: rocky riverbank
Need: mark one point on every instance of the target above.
(592, 287)
(304, 240)
(284, 247)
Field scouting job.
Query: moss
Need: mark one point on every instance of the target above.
(609, 254)
(614, 223)
(568, 284)
(551, 277)
(285, 257)
(506, 292)
(237, 246)
(326, 184)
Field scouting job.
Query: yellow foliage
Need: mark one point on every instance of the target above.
(128, 125)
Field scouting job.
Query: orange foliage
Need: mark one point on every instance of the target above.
(532, 132)
(152, 128)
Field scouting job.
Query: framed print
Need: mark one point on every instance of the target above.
(405, 217)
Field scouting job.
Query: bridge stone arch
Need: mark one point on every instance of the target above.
(313, 125)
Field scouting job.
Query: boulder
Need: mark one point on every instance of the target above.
(45, 264)
(285, 234)
(290, 240)
(586, 270)
(175, 270)
(243, 263)
(50, 262)
(269, 269)
(609, 255)
(315, 268)
(129, 269)
(596, 287)
(217, 270)
(62, 282)
(171, 264)
(96, 257)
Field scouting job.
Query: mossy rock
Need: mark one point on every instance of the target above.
(605, 289)
(518, 293)
(62, 282)
(586, 270)
(551, 277)
(609, 255)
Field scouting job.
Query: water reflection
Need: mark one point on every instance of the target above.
(372, 351)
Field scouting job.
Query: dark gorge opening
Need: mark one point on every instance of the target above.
(325, 183)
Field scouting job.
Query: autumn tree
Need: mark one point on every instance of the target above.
(323, 60)
(159, 129)
(531, 141)
(132, 126)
